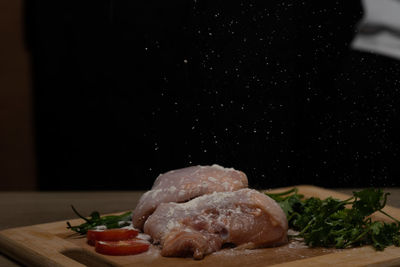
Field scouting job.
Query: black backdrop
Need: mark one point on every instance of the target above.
(125, 90)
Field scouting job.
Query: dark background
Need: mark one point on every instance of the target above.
(126, 90)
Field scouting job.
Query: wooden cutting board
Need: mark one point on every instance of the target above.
(51, 244)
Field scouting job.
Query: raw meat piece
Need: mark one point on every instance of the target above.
(202, 225)
(185, 184)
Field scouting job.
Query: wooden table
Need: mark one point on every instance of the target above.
(27, 208)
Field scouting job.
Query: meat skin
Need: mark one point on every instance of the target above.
(184, 184)
(202, 225)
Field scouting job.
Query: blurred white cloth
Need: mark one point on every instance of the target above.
(379, 29)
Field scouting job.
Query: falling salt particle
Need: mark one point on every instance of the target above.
(185, 61)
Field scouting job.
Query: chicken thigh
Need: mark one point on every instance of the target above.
(202, 225)
(184, 184)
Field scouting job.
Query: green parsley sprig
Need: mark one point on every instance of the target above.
(110, 222)
(331, 223)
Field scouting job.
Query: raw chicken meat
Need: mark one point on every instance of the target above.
(202, 225)
(185, 184)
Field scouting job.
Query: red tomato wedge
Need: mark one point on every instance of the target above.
(120, 248)
(110, 235)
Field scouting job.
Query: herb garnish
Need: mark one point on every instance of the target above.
(110, 222)
(329, 223)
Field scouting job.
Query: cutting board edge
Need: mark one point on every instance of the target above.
(355, 257)
(12, 242)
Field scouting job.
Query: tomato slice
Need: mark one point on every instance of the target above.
(110, 235)
(120, 248)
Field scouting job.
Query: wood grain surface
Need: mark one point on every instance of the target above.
(51, 243)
